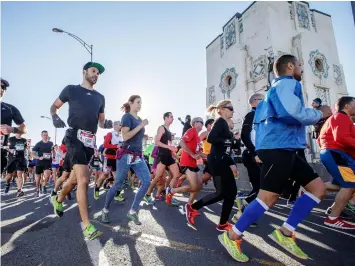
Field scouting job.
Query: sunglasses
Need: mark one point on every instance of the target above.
(230, 108)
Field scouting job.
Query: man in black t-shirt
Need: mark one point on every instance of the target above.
(9, 113)
(16, 162)
(86, 111)
(42, 151)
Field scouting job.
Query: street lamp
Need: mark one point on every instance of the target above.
(55, 129)
(86, 46)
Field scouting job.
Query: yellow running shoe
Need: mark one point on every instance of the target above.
(233, 247)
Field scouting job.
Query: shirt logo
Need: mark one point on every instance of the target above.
(88, 93)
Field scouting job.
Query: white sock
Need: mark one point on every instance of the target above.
(132, 212)
(105, 210)
(332, 218)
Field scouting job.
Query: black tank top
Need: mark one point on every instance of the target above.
(165, 138)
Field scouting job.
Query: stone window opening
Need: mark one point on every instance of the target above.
(318, 63)
(228, 81)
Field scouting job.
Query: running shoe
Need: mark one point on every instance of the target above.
(53, 193)
(169, 198)
(37, 193)
(134, 218)
(148, 200)
(233, 247)
(20, 193)
(96, 194)
(350, 207)
(241, 195)
(288, 243)
(119, 196)
(224, 227)
(290, 203)
(90, 232)
(58, 207)
(339, 223)
(159, 197)
(7, 188)
(104, 217)
(342, 215)
(44, 190)
(179, 182)
(190, 214)
(175, 202)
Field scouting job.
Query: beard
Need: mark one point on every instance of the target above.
(92, 80)
(298, 77)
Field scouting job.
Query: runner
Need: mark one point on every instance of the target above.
(280, 129)
(86, 111)
(42, 151)
(337, 144)
(9, 113)
(165, 158)
(55, 162)
(96, 165)
(206, 149)
(130, 155)
(17, 162)
(112, 143)
(219, 162)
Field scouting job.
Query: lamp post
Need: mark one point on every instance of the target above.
(55, 129)
(86, 46)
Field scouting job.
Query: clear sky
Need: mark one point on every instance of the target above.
(154, 49)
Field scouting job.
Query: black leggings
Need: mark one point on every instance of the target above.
(226, 188)
(254, 175)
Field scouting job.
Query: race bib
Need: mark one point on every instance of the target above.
(87, 138)
(20, 147)
(96, 163)
(2, 139)
(46, 156)
(130, 158)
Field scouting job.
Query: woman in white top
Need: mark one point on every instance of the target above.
(55, 162)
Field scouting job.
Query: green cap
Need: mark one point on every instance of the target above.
(96, 65)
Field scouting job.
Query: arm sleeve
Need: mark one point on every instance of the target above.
(107, 141)
(17, 117)
(102, 108)
(246, 130)
(293, 110)
(341, 132)
(126, 121)
(64, 95)
(35, 148)
(217, 129)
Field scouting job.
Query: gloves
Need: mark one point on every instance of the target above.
(108, 124)
(57, 122)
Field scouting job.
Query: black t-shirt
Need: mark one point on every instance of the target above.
(84, 107)
(9, 113)
(247, 130)
(44, 149)
(18, 145)
(165, 138)
(217, 137)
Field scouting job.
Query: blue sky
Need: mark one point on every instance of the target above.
(156, 50)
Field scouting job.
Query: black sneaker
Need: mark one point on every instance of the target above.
(37, 193)
(53, 193)
(20, 193)
(44, 190)
(7, 188)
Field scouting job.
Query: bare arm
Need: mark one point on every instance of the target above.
(184, 146)
(102, 120)
(128, 134)
(55, 106)
(203, 135)
(158, 138)
(34, 155)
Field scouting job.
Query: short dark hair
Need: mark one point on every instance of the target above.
(209, 122)
(166, 115)
(281, 62)
(44, 131)
(188, 117)
(342, 101)
(318, 100)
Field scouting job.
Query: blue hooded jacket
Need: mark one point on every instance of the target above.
(280, 119)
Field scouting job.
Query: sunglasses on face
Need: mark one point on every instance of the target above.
(230, 108)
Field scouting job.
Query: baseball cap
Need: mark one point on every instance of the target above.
(96, 65)
(196, 119)
(5, 82)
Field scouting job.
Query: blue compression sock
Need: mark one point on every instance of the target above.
(252, 212)
(300, 210)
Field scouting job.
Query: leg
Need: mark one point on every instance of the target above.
(82, 176)
(20, 180)
(142, 173)
(68, 186)
(341, 200)
(158, 173)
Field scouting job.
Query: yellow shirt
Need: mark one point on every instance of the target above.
(206, 146)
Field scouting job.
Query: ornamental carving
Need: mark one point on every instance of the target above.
(230, 35)
(302, 15)
(318, 63)
(211, 95)
(337, 75)
(228, 81)
(259, 67)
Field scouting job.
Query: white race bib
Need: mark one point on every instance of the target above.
(2, 139)
(87, 138)
(47, 156)
(20, 147)
(136, 161)
(96, 163)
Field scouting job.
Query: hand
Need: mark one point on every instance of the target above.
(326, 111)
(144, 122)
(118, 146)
(6, 130)
(40, 158)
(203, 156)
(57, 122)
(108, 124)
(257, 159)
(173, 149)
(196, 156)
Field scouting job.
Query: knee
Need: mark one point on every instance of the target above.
(319, 191)
(83, 182)
(196, 187)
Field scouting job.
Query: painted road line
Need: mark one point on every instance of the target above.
(96, 251)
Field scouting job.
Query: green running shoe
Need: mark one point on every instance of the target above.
(104, 217)
(90, 232)
(58, 206)
(119, 196)
(288, 243)
(96, 194)
(175, 202)
(233, 247)
(350, 207)
(134, 218)
(148, 200)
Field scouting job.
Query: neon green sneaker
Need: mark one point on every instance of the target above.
(148, 200)
(134, 218)
(119, 196)
(90, 232)
(58, 206)
(350, 207)
(96, 194)
(288, 243)
(233, 247)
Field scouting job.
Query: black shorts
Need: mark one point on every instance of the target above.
(109, 165)
(16, 164)
(280, 165)
(77, 153)
(3, 160)
(192, 169)
(42, 166)
(207, 169)
(166, 159)
(66, 167)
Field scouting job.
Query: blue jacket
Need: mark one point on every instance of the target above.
(280, 119)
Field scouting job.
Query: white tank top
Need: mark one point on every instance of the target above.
(56, 159)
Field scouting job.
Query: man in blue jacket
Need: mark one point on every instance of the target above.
(280, 123)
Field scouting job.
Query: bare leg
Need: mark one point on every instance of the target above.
(20, 180)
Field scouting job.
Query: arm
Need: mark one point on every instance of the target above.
(246, 130)
(107, 143)
(158, 143)
(341, 132)
(18, 119)
(102, 120)
(214, 135)
(184, 146)
(128, 134)
(203, 136)
(56, 106)
(34, 152)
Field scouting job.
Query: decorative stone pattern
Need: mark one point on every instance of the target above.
(240, 26)
(292, 11)
(259, 67)
(313, 57)
(230, 34)
(337, 75)
(222, 45)
(302, 15)
(211, 95)
(228, 81)
(323, 94)
(313, 21)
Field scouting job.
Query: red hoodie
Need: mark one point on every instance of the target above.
(111, 149)
(338, 133)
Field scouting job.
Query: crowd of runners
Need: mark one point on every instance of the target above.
(273, 136)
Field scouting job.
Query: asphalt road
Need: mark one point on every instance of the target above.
(32, 235)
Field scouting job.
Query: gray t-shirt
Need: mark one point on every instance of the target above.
(134, 144)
